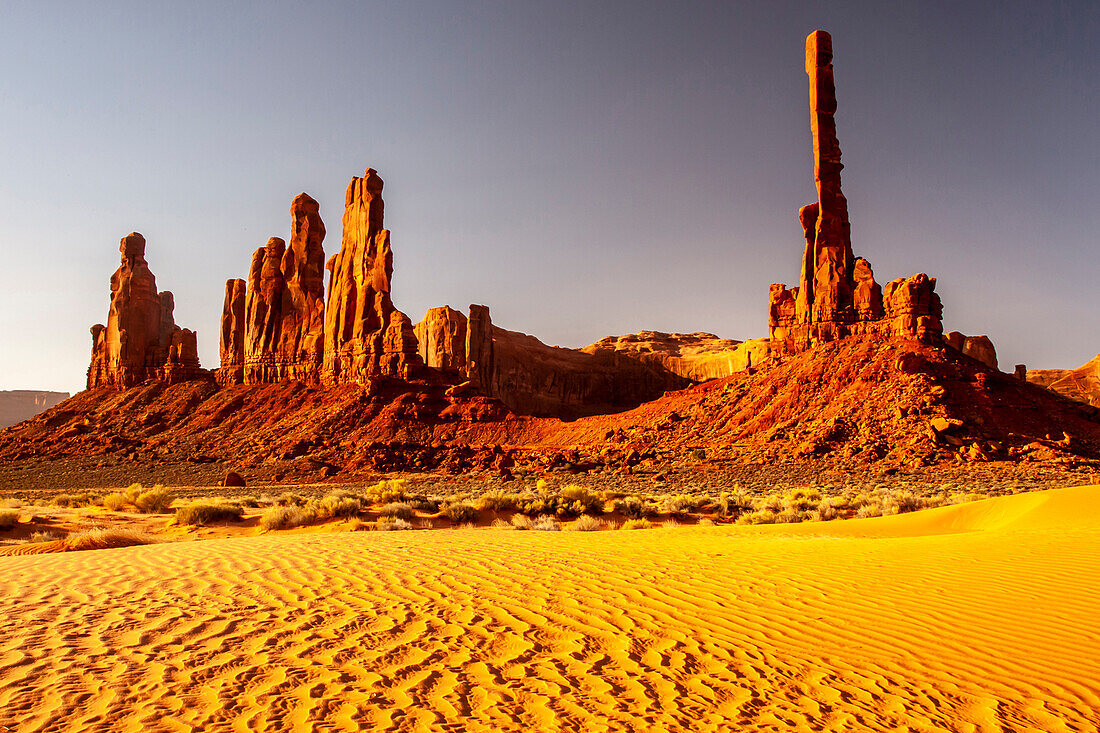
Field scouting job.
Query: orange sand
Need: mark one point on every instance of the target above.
(978, 617)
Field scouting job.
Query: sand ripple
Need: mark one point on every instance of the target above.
(873, 624)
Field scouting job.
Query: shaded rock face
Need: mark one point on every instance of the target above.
(611, 375)
(273, 327)
(837, 295)
(976, 347)
(365, 336)
(141, 339)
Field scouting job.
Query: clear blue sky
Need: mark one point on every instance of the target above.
(585, 169)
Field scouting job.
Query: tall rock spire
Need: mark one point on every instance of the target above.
(365, 336)
(837, 295)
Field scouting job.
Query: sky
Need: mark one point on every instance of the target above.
(584, 168)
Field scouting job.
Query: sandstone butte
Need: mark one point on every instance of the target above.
(851, 372)
(141, 339)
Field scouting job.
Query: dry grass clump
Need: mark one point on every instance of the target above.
(760, 516)
(638, 524)
(391, 524)
(460, 512)
(100, 538)
(334, 506)
(568, 501)
(86, 498)
(39, 537)
(499, 523)
(499, 501)
(388, 490)
(398, 509)
(522, 521)
(8, 518)
(547, 523)
(670, 524)
(683, 504)
(286, 517)
(139, 499)
(206, 511)
(586, 523)
(634, 507)
(290, 499)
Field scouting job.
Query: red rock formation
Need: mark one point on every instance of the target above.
(1081, 384)
(141, 334)
(264, 312)
(365, 336)
(232, 333)
(694, 356)
(441, 340)
(273, 329)
(301, 348)
(481, 362)
(976, 347)
(837, 295)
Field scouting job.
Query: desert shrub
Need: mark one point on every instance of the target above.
(670, 524)
(460, 512)
(398, 509)
(905, 501)
(116, 501)
(706, 522)
(248, 501)
(825, 512)
(869, 510)
(39, 537)
(290, 499)
(499, 523)
(286, 517)
(789, 515)
(428, 505)
(772, 503)
(8, 518)
(633, 507)
(333, 506)
(803, 499)
(205, 511)
(760, 516)
(638, 524)
(388, 490)
(154, 501)
(586, 523)
(391, 524)
(574, 499)
(522, 521)
(499, 501)
(86, 498)
(546, 523)
(683, 503)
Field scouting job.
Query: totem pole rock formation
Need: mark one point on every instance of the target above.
(141, 339)
(365, 336)
(273, 326)
(837, 295)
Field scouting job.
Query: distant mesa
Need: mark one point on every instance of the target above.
(141, 339)
(18, 405)
(1081, 384)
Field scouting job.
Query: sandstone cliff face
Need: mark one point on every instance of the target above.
(837, 295)
(273, 326)
(141, 335)
(694, 356)
(976, 347)
(616, 373)
(365, 336)
(1081, 384)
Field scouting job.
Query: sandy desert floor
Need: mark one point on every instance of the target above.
(976, 617)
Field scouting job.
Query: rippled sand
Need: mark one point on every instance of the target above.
(976, 617)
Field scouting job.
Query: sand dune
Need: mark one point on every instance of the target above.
(977, 617)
